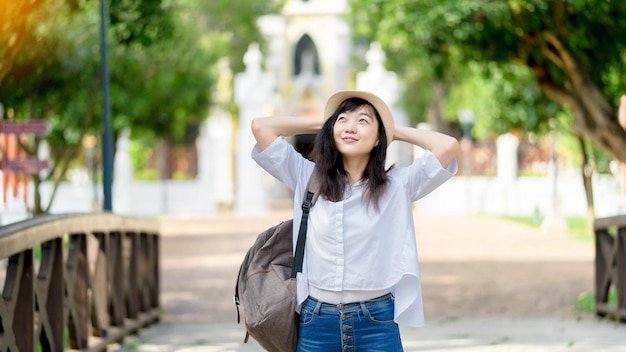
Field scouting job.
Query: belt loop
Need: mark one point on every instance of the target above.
(366, 311)
(318, 306)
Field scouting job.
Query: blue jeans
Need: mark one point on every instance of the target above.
(360, 326)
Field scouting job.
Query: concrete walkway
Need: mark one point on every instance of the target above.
(489, 285)
(474, 335)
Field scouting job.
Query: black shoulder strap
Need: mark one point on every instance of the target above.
(311, 197)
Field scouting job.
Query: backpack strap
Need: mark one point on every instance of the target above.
(311, 197)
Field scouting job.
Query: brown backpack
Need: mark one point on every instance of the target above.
(266, 284)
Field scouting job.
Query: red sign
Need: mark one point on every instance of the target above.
(37, 127)
(26, 166)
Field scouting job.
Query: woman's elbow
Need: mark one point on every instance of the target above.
(259, 128)
(454, 146)
(450, 149)
(263, 134)
(257, 125)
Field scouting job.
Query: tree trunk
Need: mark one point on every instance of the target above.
(594, 118)
(587, 172)
(37, 209)
(435, 111)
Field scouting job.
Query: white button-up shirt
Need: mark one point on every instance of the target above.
(352, 246)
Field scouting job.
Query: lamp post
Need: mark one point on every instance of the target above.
(107, 136)
(466, 119)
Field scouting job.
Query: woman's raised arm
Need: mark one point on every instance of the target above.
(444, 147)
(267, 129)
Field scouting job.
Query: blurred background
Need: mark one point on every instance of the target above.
(146, 104)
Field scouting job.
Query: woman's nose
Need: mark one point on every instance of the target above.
(350, 126)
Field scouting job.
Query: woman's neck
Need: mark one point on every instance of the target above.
(355, 169)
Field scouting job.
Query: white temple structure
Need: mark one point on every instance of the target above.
(308, 59)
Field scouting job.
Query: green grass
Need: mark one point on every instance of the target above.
(524, 220)
(586, 301)
(577, 227)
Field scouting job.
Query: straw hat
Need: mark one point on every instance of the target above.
(383, 110)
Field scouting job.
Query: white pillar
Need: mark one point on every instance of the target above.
(208, 169)
(215, 148)
(554, 221)
(218, 131)
(254, 90)
(123, 175)
(507, 146)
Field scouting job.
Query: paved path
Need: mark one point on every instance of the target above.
(489, 285)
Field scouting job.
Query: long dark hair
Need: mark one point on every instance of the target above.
(329, 164)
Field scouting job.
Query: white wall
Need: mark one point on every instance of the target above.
(460, 195)
(525, 196)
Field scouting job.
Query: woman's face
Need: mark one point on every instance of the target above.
(356, 132)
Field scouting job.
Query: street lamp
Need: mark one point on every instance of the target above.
(107, 135)
(466, 119)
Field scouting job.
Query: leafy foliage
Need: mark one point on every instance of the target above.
(143, 22)
(161, 58)
(572, 52)
(233, 24)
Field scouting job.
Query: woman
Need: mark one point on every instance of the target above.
(360, 276)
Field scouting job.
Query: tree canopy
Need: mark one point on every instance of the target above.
(572, 49)
(161, 57)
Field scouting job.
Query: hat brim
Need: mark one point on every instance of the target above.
(381, 107)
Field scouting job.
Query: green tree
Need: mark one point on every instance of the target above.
(163, 89)
(161, 55)
(159, 75)
(46, 79)
(574, 49)
(232, 25)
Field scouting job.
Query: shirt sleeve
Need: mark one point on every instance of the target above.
(426, 173)
(283, 162)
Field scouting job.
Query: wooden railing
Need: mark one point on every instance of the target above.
(77, 282)
(610, 271)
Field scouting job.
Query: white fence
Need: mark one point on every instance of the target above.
(526, 196)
